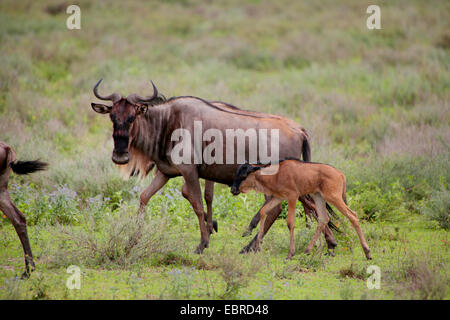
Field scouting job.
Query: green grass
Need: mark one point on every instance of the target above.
(375, 102)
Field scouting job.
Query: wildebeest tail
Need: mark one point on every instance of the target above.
(333, 214)
(26, 167)
(306, 150)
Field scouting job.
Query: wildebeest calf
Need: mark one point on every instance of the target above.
(295, 178)
(9, 162)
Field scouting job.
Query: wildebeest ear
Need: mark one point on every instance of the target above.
(141, 109)
(101, 108)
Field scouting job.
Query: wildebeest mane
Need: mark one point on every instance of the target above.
(234, 110)
(289, 158)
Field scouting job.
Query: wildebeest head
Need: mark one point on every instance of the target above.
(239, 183)
(123, 112)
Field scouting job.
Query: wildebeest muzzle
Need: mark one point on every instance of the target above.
(120, 153)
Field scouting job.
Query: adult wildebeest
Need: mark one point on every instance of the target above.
(144, 127)
(9, 162)
(293, 179)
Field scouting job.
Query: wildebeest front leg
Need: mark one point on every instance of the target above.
(273, 202)
(192, 192)
(157, 183)
(255, 219)
(18, 220)
(271, 216)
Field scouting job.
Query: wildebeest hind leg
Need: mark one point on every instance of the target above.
(308, 205)
(322, 220)
(192, 192)
(19, 222)
(211, 224)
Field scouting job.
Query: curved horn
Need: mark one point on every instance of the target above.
(114, 97)
(155, 90)
(139, 99)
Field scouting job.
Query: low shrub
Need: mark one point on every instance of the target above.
(372, 203)
(438, 208)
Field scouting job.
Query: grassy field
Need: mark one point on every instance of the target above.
(375, 102)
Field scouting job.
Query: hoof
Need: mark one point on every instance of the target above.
(215, 226)
(25, 275)
(331, 245)
(330, 253)
(247, 233)
(368, 255)
(245, 250)
(249, 248)
(201, 247)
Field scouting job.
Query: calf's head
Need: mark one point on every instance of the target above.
(123, 113)
(243, 180)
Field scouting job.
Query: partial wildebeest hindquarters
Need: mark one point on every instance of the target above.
(295, 178)
(306, 201)
(9, 162)
(143, 129)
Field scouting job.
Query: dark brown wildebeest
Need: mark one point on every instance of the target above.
(293, 179)
(144, 126)
(9, 162)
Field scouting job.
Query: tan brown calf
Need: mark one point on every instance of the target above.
(292, 179)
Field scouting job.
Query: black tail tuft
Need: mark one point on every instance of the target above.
(306, 150)
(26, 167)
(334, 215)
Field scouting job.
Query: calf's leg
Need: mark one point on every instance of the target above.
(291, 224)
(339, 203)
(310, 210)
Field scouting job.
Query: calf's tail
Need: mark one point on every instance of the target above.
(26, 167)
(344, 192)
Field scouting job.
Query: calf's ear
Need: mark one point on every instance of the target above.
(101, 108)
(253, 169)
